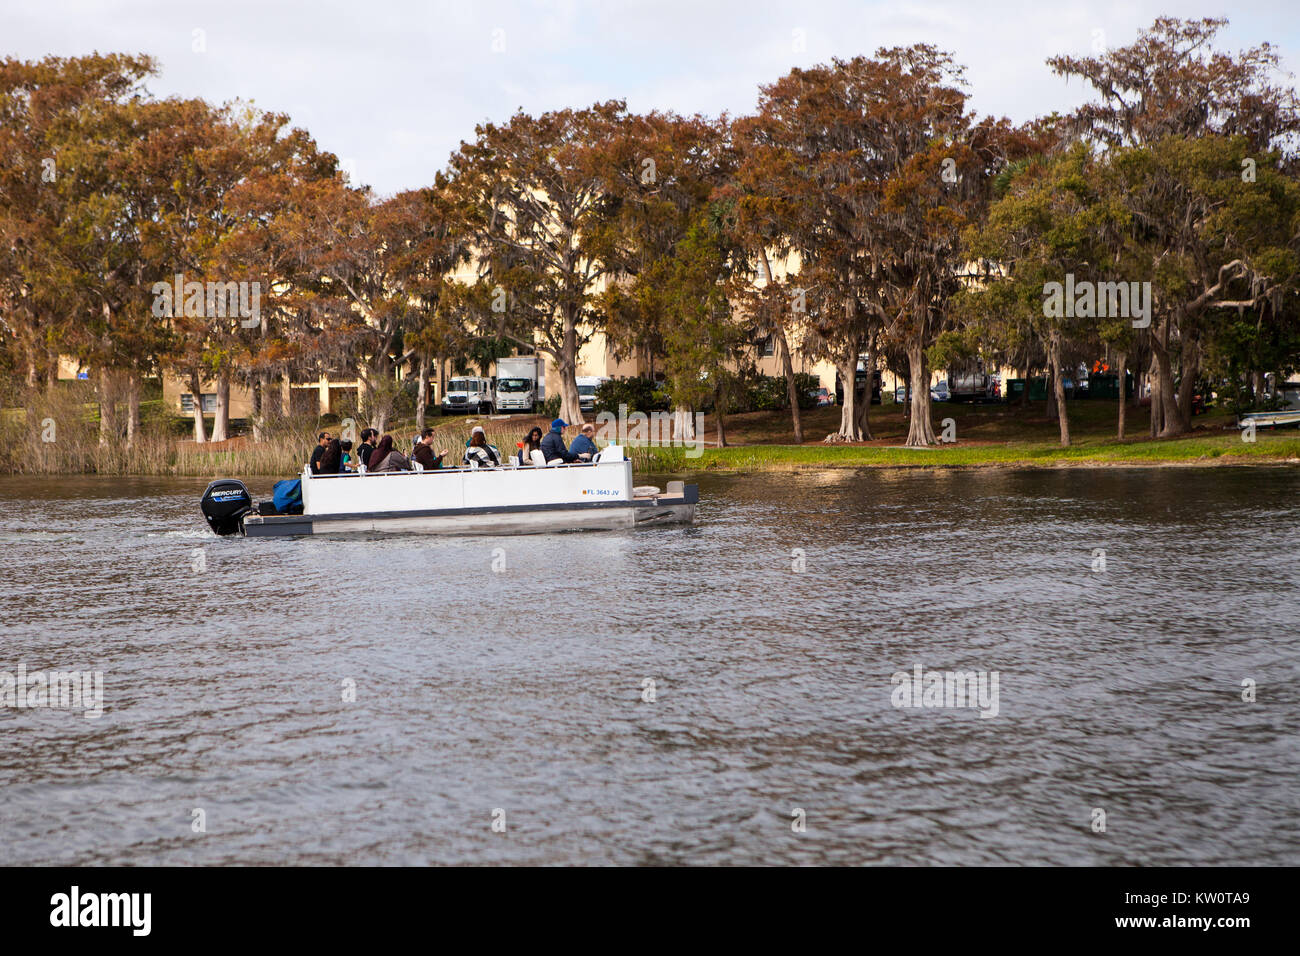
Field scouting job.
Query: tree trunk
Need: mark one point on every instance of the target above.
(864, 400)
(791, 389)
(221, 420)
(1058, 388)
(132, 408)
(920, 431)
(1191, 362)
(1051, 387)
(1170, 414)
(787, 362)
(722, 432)
(421, 392)
(1153, 390)
(196, 391)
(52, 372)
(1173, 418)
(107, 408)
(259, 407)
(569, 408)
(1122, 362)
(847, 366)
(683, 424)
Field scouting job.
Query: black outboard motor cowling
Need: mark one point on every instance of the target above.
(224, 504)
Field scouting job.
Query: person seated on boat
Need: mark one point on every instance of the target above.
(345, 463)
(331, 463)
(532, 442)
(479, 452)
(424, 452)
(369, 439)
(553, 446)
(317, 453)
(584, 446)
(387, 458)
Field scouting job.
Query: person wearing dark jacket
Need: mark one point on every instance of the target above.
(553, 446)
(424, 452)
(317, 453)
(584, 446)
(369, 439)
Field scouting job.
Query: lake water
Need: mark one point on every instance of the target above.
(520, 695)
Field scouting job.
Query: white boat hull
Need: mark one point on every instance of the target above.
(589, 496)
(658, 511)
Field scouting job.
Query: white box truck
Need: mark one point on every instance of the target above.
(587, 385)
(521, 383)
(467, 395)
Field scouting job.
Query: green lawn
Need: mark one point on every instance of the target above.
(987, 435)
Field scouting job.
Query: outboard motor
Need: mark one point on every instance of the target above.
(224, 504)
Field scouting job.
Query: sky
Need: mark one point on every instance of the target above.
(394, 86)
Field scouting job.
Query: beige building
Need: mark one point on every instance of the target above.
(325, 396)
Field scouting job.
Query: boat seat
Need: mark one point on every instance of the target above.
(537, 458)
(609, 453)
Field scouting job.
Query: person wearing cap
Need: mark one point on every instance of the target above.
(479, 452)
(553, 446)
(584, 446)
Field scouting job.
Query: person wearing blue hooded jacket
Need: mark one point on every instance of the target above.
(553, 446)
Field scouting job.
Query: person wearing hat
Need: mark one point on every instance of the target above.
(479, 452)
(553, 446)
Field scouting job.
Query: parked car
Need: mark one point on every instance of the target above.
(939, 392)
(860, 383)
(822, 396)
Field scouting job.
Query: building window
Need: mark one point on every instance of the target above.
(209, 402)
(766, 346)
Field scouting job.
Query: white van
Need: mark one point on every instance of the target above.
(469, 396)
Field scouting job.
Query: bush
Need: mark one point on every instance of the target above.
(806, 387)
(765, 393)
(639, 393)
(550, 407)
(768, 393)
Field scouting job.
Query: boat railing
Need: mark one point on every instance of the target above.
(509, 465)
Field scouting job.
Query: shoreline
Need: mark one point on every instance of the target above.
(769, 458)
(991, 439)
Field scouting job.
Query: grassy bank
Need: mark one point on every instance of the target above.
(1218, 449)
(987, 435)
